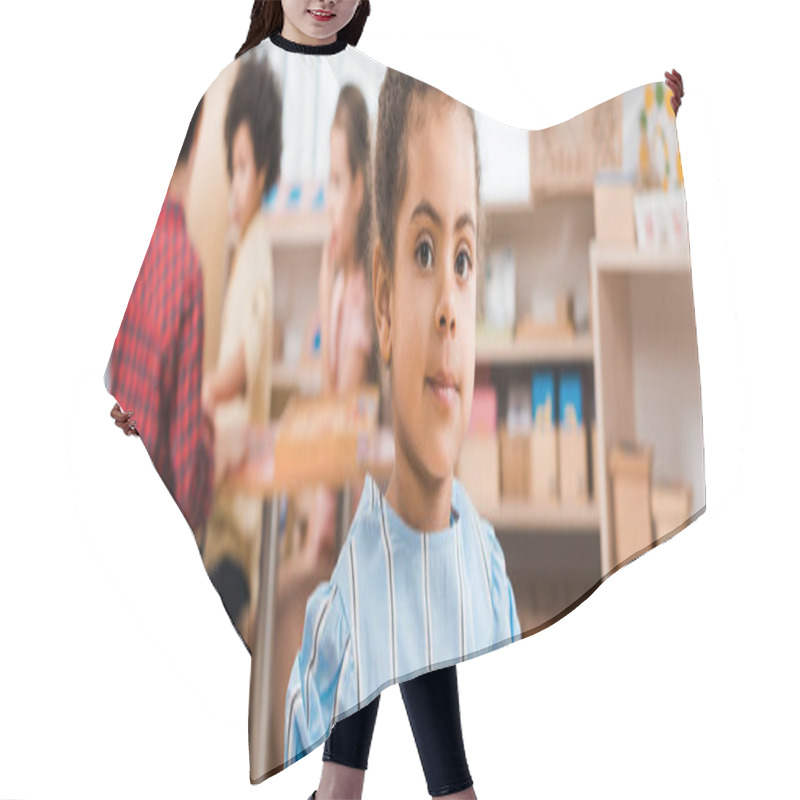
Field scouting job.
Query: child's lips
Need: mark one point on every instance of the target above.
(444, 389)
(323, 16)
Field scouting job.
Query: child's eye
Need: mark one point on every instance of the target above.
(425, 247)
(466, 263)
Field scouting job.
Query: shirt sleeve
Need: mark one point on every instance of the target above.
(190, 443)
(255, 332)
(504, 605)
(321, 681)
(256, 326)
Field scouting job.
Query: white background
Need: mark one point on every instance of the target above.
(120, 674)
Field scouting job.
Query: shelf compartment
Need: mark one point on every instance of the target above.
(521, 351)
(607, 258)
(526, 517)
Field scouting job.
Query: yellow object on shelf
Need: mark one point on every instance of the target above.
(573, 483)
(544, 464)
(515, 463)
(489, 334)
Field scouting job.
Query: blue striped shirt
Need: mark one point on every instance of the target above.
(399, 603)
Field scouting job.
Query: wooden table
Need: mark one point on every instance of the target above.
(257, 475)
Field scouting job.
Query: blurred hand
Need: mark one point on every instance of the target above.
(124, 420)
(207, 401)
(675, 82)
(208, 423)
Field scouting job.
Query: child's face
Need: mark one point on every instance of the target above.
(319, 19)
(431, 325)
(345, 196)
(247, 185)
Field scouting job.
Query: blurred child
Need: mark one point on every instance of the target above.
(420, 583)
(346, 324)
(157, 366)
(237, 393)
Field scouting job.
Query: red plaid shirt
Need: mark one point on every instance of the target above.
(156, 365)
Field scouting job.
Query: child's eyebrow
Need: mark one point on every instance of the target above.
(425, 208)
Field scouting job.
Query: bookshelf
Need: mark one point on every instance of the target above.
(646, 366)
(630, 261)
(635, 347)
(536, 351)
(516, 517)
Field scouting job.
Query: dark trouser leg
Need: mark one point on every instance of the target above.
(230, 580)
(350, 738)
(435, 715)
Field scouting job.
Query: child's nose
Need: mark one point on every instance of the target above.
(446, 316)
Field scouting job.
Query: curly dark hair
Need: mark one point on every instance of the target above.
(266, 18)
(191, 133)
(256, 100)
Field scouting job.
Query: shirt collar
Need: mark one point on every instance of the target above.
(376, 503)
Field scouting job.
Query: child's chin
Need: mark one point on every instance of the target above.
(441, 460)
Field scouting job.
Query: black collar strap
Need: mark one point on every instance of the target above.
(311, 49)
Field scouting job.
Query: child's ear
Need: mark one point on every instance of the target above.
(381, 300)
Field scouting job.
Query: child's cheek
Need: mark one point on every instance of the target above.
(469, 358)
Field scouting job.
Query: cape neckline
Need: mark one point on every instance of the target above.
(310, 49)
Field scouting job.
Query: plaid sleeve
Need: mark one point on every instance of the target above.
(191, 444)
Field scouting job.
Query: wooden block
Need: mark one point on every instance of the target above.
(322, 439)
(529, 329)
(614, 222)
(478, 469)
(630, 468)
(572, 465)
(544, 464)
(514, 465)
(671, 506)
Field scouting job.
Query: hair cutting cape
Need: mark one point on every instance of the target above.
(585, 443)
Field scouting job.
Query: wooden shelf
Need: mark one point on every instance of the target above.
(521, 351)
(607, 258)
(293, 228)
(577, 187)
(526, 517)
